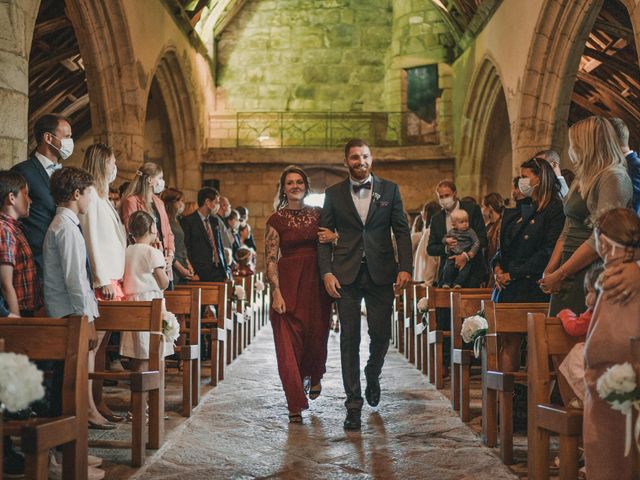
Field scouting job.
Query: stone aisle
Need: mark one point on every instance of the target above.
(241, 430)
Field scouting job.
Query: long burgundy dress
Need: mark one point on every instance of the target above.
(300, 333)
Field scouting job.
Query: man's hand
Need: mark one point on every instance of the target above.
(332, 285)
(108, 292)
(402, 280)
(460, 260)
(556, 168)
(621, 282)
(93, 336)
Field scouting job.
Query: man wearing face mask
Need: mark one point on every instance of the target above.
(53, 134)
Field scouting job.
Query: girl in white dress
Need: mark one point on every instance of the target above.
(145, 279)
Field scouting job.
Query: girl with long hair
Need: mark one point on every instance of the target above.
(174, 205)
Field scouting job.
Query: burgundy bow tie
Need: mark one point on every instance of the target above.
(358, 187)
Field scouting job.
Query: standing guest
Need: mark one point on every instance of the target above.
(602, 183)
(632, 158)
(569, 176)
(553, 158)
(528, 235)
(114, 198)
(142, 194)
(300, 306)
(203, 240)
(516, 194)
(245, 266)
(222, 216)
(189, 208)
(244, 220)
(53, 136)
(416, 233)
(364, 209)
(106, 242)
(174, 205)
(469, 199)
(19, 280)
(425, 267)
(617, 235)
(466, 243)
(492, 210)
(233, 223)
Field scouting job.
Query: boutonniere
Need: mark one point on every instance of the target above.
(376, 196)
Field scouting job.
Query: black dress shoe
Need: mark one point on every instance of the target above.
(352, 422)
(372, 392)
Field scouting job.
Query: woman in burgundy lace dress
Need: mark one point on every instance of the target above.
(300, 306)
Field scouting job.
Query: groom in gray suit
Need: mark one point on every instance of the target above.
(364, 209)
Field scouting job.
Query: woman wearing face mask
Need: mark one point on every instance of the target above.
(528, 235)
(106, 244)
(142, 194)
(174, 205)
(601, 183)
(617, 239)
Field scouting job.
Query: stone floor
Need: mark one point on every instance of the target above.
(240, 430)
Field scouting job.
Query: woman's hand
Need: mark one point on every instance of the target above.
(326, 236)
(621, 283)
(551, 283)
(499, 276)
(277, 302)
(108, 292)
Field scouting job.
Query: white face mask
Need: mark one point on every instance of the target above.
(113, 174)
(524, 185)
(447, 203)
(159, 188)
(66, 147)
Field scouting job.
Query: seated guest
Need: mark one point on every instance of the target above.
(203, 240)
(617, 236)
(553, 158)
(466, 243)
(633, 160)
(174, 205)
(245, 266)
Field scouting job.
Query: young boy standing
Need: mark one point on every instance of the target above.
(18, 275)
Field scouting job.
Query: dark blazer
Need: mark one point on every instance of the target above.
(527, 239)
(633, 167)
(373, 238)
(200, 251)
(42, 210)
(438, 229)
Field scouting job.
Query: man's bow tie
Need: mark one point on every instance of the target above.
(358, 187)
(54, 167)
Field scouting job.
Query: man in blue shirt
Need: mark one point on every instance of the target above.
(633, 160)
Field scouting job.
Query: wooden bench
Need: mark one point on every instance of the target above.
(220, 329)
(138, 317)
(463, 305)
(398, 320)
(409, 323)
(186, 305)
(498, 384)
(419, 291)
(53, 339)
(548, 345)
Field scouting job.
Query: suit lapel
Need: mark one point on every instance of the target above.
(348, 200)
(40, 169)
(376, 191)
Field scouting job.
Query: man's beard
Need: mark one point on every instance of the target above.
(359, 174)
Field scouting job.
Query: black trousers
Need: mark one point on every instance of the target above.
(379, 302)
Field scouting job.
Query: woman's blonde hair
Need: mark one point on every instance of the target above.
(95, 162)
(593, 149)
(140, 184)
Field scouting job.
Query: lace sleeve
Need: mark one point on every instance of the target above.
(272, 249)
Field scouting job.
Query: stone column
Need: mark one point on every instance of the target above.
(17, 19)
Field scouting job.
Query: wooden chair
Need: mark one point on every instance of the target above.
(497, 384)
(220, 329)
(548, 344)
(186, 304)
(53, 339)
(138, 317)
(463, 305)
(419, 291)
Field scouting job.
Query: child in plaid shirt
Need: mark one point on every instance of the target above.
(21, 287)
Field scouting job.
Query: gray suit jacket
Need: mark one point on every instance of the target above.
(386, 213)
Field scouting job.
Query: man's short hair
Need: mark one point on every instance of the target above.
(354, 142)
(446, 183)
(66, 181)
(47, 124)
(548, 155)
(622, 131)
(10, 182)
(207, 193)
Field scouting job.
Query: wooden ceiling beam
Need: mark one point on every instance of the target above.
(611, 60)
(605, 89)
(50, 26)
(614, 30)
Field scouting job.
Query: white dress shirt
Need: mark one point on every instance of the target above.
(362, 199)
(66, 283)
(48, 165)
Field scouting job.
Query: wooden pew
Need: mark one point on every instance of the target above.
(463, 305)
(398, 320)
(186, 304)
(548, 344)
(419, 291)
(409, 324)
(220, 329)
(53, 339)
(497, 384)
(138, 317)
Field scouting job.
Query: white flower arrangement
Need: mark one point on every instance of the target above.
(259, 286)
(423, 305)
(618, 386)
(248, 314)
(20, 382)
(473, 329)
(239, 292)
(170, 327)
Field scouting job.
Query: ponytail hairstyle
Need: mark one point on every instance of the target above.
(95, 162)
(549, 186)
(281, 198)
(140, 186)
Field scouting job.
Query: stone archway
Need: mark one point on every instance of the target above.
(484, 163)
(177, 99)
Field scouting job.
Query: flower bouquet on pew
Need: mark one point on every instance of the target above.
(170, 327)
(473, 330)
(20, 382)
(259, 286)
(239, 293)
(618, 386)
